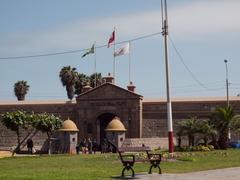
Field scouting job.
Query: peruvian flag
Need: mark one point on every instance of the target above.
(111, 39)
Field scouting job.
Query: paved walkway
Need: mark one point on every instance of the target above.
(218, 174)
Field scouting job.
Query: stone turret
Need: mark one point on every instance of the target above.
(116, 132)
(131, 87)
(68, 136)
(109, 79)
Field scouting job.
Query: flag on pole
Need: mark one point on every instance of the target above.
(89, 51)
(111, 39)
(121, 51)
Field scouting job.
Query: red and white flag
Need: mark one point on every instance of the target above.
(111, 39)
(121, 51)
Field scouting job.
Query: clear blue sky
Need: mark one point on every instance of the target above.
(204, 33)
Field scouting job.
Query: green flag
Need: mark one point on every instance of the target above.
(89, 51)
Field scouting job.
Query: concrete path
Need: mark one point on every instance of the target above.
(218, 174)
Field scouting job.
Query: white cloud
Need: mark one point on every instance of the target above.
(208, 18)
(195, 20)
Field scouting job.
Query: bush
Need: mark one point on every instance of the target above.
(195, 148)
(211, 147)
(183, 149)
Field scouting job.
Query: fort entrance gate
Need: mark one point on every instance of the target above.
(97, 107)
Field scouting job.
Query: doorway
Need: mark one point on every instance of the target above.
(104, 120)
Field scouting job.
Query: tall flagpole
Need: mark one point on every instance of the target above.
(129, 59)
(114, 62)
(95, 64)
(169, 103)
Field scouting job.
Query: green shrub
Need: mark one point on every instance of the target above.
(211, 147)
(195, 148)
(183, 149)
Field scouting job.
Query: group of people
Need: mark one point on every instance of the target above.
(87, 146)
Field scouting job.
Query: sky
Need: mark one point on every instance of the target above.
(202, 33)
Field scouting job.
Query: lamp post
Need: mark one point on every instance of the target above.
(226, 65)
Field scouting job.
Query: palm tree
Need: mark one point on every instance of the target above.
(235, 123)
(95, 83)
(223, 118)
(20, 89)
(208, 131)
(68, 77)
(82, 81)
(189, 128)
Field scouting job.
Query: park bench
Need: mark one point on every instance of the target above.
(128, 160)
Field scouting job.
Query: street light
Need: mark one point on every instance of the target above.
(226, 65)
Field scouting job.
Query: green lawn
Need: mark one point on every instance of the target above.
(103, 166)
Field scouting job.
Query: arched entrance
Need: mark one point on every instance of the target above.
(102, 122)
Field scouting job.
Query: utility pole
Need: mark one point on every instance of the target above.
(169, 103)
(227, 90)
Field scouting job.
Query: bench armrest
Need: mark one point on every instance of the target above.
(127, 157)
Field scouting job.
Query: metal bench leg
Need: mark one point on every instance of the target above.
(160, 170)
(133, 173)
(150, 170)
(123, 171)
(128, 168)
(155, 166)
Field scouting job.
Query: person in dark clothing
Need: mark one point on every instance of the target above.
(84, 146)
(95, 146)
(30, 146)
(90, 145)
(77, 148)
(104, 146)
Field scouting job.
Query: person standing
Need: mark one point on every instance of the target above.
(90, 145)
(30, 146)
(95, 146)
(84, 146)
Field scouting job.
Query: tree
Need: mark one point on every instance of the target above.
(82, 81)
(20, 89)
(207, 130)
(189, 128)
(48, 123)
(98, 77)
(19, 120)
(223, 119)
(68, 78)
(235, 123)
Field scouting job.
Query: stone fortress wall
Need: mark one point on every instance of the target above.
(8, 138)
(154, 115)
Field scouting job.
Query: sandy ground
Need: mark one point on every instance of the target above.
(5, 154)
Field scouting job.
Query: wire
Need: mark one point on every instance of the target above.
(78, 50)
(188, 69)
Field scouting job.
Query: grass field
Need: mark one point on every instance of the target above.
(103, 166)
